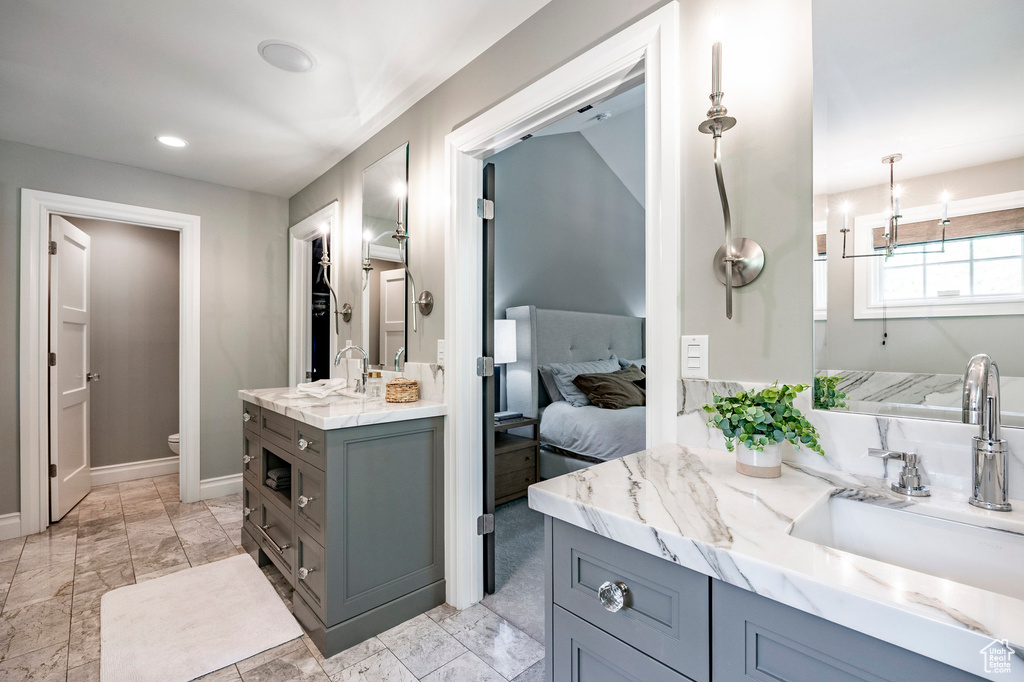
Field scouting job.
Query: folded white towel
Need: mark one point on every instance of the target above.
(322, 388)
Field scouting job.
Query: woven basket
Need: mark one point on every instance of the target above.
(402, 390)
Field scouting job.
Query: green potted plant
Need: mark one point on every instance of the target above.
(827, 395)
(756, 423)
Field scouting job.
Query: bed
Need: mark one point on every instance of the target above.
(573, 438)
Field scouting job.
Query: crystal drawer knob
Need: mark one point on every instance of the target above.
(613, 595)
(303, 500)
(247, 510)
(246, 459)
(246, 417)
(303, 444)
(303, 573)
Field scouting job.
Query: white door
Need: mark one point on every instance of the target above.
(392, 314)
(69, 378)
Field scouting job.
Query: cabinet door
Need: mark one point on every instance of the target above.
(310, 500)
(584, 653)
(755, 638)
(251, 456)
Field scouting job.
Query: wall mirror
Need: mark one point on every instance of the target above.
(918, 202)
(385, 253)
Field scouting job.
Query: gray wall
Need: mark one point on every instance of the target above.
(244, 281)
(938, 345)
(133, 341)
(568, 233)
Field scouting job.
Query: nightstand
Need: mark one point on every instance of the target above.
(516, 460)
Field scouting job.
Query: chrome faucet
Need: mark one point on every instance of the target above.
(910, 476)
(399, 354)
(988, 451)
(361, 383)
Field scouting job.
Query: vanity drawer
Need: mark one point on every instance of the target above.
(277, 429)
(251, 455)
(583, 653)
(276, 534)
(251, 416)
(310, 444)
(310, 500)
(250, 507)
(271, 458)
(310, 556)
(666, 607)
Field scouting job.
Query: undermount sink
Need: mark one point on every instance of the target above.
(956, 550)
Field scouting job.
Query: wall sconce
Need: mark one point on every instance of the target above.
(325, 264)
(739, 261)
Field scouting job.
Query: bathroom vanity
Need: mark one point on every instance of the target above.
(668, 565)
(355, 520)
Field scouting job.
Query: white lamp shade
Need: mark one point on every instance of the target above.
(504, 341)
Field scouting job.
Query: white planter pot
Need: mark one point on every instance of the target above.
(763, 464)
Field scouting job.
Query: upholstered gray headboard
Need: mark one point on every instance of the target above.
(546, 336)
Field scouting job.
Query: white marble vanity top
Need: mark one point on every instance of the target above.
(689, 506)
(338, 412)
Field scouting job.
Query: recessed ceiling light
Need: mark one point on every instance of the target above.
(171, 141)
(286, 56)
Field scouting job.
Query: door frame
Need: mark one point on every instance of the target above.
(655, 40)
(36, 209)
(300, 294)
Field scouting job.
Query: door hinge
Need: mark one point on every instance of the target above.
(53, 359)
(53, 471)
(485, 209)
(485, 367)
(485, 524)
(53, 248)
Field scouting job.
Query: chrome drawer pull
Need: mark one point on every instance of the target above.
(246, 416)
(277, 548)
(246, 459)
(303, 573)
(303, 444)
(303, 500)
(613, 595)
(246, 511)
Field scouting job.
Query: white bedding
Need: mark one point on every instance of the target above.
(594, 432)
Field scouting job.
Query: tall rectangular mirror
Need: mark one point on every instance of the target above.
(385, 290)
(919, 202)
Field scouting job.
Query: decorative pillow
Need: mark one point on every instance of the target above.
(565, 372)
(547, 380)
(615, 390)
(639, 362)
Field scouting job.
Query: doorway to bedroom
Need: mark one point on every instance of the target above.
(565, 307)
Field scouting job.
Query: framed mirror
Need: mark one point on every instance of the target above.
(384, 257)
(918, 203)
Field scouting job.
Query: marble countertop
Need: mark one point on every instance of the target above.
(690, 506)
(338, 411)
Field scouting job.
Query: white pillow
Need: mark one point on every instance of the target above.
(565, 372)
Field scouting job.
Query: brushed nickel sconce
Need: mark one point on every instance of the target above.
(346, 312)
(738, 261)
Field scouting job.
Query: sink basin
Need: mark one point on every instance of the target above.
(953, 549)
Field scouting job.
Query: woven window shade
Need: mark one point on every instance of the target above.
(963, 227)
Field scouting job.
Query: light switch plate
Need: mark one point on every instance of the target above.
(440, 351)
(694, 357)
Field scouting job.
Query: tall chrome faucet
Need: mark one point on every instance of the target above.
(361, 383)
(988, 452)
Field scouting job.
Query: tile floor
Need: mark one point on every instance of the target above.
(51, 584)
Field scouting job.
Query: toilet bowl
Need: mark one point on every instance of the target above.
(174, 443)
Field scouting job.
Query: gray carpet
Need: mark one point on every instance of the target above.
(519, 567)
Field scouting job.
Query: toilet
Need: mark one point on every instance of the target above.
(174, 443)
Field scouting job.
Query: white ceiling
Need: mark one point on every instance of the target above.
(103, 78)
(940, 81)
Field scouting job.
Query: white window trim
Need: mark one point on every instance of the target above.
(820, 227)
(866, 271)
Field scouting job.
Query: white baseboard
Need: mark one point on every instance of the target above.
(220, 486)
(117, 473)
(10, 526)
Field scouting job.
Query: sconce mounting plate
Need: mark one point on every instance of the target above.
(425, 303)
(748, 263)
(346, 312)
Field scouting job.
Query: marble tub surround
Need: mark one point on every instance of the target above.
(689, 506)
(944, 447)
(339, 412)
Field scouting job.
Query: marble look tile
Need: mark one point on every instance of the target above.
(143, 488)
(84, 646)
(167, 487)
(259, 659)
(85, 601)
(535, 673)
(144, 510)
(159, 556)
(199, 530)
(90, 672)
(466, 667)
(208, 552)
(179, 511)
(439, 613)
(7, 569)
(10, 550)
(104, 578)
(32, 627)
(501, 645)
(421, 645)
(101, 529)
(234, 532)
(48, 548)
(228, 674)
(349, 657)
(227, 509)
(40, 584)
(161, 572)
(295, 666)
(48, 664)
(380, 667)
(100, 507)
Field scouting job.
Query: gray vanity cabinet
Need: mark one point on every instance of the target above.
(359, 531)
